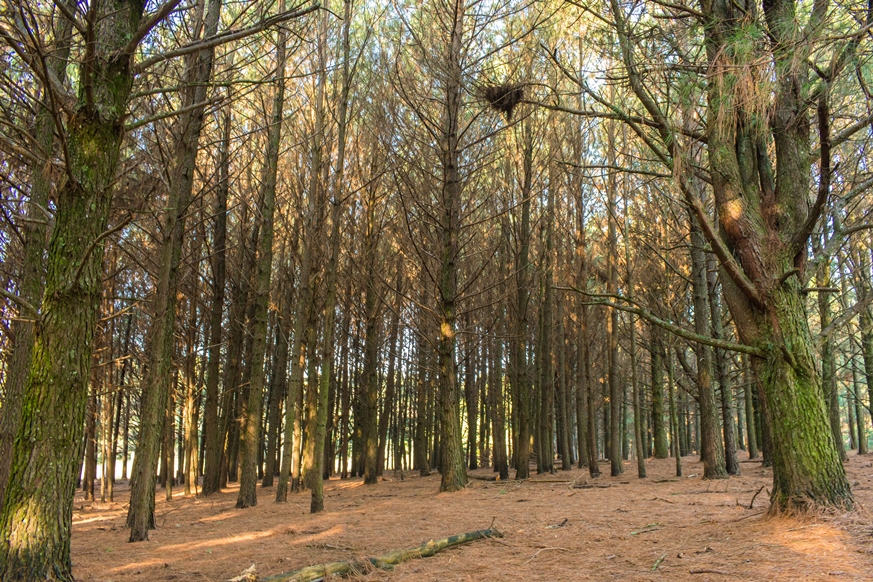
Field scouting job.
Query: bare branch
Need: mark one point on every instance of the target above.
(20, 302)
(609, 300)
(146, 27)
(224, 37)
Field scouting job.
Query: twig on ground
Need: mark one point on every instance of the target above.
(752, 503)
(544, 550)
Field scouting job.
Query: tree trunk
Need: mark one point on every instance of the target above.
(751, 424)
(213, 429)
(37, 510)
(518, 345)
(388, 405)
(732, 463)
(279, 380)
(371, 346)
(452, 466)
(659, 427)
(34, 229)
(674, 419)
(251, 426)
(711, 450)
(156, 385)
(471, 396)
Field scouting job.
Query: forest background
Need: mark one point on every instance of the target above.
(251, 241)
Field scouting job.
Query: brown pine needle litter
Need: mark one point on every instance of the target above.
(704, 532)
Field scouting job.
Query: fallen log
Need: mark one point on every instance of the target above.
(385, 561)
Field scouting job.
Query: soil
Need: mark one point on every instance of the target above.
(557, 527)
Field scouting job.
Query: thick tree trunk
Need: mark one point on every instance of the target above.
(34, 230)
(807, 470)
(36, 517)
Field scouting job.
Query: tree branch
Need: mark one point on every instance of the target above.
(20, 302)
(727, 260)
(635, 308)
(94, 244)
(166, 114)
(224, 37)
(148, 25)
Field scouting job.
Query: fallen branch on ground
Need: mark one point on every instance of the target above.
(385, 561)
(752, 502)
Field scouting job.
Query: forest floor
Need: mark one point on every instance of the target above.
(617, 528)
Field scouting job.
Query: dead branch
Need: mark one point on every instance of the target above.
(384, 561)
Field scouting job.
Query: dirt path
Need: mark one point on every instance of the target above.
(660, 528)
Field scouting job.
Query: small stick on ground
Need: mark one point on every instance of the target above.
(708, 571)
(543, 550)
(752, 503)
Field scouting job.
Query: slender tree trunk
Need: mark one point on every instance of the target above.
(251, 427)
(156, 386)
(659, 427)
(711, 450)
(495, 399)
(866, 327)
(89, 475)
(371, 344)
(638, 420)
(213, 429)
(279, 380)
(421, 411)
(452, 466)
(615, 392)
(732, 463)
(388, 405)
(518, 346)
(191, 405)
(563, 407)
(751, 425)
(675, 437)
(471, 397)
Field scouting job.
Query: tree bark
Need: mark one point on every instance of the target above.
(156, 385)
(213, 429)
(30, 280)
(711, 451)
(37, 510)
(732, 463)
